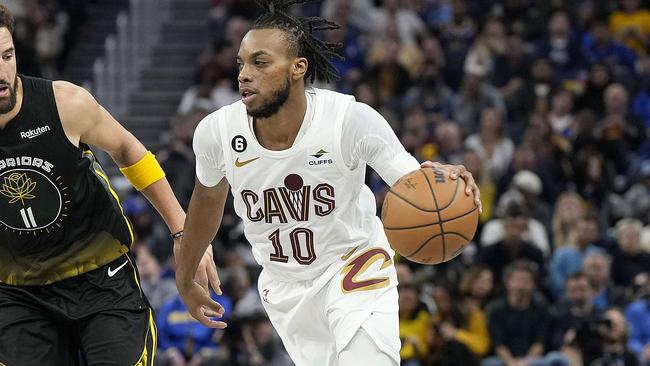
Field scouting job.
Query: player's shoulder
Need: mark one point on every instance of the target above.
(69, 94)
(225, 114)
(330, 95)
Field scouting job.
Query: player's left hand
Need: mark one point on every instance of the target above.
(456, 171)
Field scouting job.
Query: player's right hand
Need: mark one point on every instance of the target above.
(200, 305)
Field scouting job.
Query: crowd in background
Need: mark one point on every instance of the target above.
(45, 31)
(547, 103)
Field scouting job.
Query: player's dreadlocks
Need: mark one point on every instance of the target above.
(299, 33)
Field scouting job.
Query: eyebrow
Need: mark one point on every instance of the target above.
(11, 49)
(256, 54)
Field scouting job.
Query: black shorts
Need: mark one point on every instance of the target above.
(100, 317)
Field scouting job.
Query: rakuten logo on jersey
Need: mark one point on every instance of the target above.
(295, 200)
(31, 133)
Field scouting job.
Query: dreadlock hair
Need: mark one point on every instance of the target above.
(299, 33)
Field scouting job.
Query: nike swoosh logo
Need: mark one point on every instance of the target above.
(349, 253)
(240, 164)
(112, 272)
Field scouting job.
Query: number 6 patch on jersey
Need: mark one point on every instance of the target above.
(358, 266)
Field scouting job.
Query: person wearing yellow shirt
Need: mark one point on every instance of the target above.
(414, 325)
(631, 25)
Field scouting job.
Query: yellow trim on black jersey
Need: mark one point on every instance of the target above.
(110, 188)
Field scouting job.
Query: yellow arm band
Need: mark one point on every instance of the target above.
(144, 173)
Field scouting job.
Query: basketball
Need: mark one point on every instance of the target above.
(427, 216)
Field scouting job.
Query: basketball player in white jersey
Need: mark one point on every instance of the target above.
(294, 159)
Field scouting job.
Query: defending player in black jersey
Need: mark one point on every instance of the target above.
(68, 284)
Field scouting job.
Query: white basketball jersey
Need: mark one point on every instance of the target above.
(302, 207)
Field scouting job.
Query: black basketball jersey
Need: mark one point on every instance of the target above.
(59, 216)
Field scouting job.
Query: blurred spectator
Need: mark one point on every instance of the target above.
(385, 72)
(619, 132)
(476, 286)
(510, 73)
(475, 96)
(456, 331)
(492, 143)
(631, 25)
(182, 339)
(491, 43)
(49, 26)
(157, 289)
(518, 321)
(560, 115)
(567, 260)
(641, 102)
(513, 246)
(469, 325)
(535, 94)
(569, 208)
(409, 25)
(260, 345)
(638, 317)
(614, 349)
(599, 78)
(457, 37)
(636, 200)
(431, 93)
(629, 259)
(526, 188)
(414, 322)
(574, 315)
(560, 46)
(494, 230)
(449, 142)
(598, 46)
(597, 267)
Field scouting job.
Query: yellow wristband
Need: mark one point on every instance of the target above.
(144, 173)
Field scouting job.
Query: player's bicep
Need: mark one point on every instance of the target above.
(206, 209)
(210, 165)
(369, 137)
(84, 120)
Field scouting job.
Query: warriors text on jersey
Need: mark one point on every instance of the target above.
(306, 206)
(58, 214)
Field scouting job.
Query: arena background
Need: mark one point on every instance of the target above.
(546, 102)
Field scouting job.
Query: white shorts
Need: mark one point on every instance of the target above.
(317, 319)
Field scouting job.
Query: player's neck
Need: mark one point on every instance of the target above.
(7, 117)
(279, 131)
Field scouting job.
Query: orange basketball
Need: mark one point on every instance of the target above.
(427, 217)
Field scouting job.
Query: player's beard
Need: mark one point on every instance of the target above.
(8, 104)
(276, 101)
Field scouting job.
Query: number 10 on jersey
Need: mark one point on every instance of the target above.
(299, 237)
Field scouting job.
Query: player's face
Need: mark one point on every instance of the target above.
(264, 72)
(8, 79)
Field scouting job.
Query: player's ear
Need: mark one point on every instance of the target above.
(299, 68)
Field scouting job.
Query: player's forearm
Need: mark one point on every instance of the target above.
(201, 224)
(162, 197)
(157, 190)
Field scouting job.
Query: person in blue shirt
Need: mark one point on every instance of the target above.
(183, 339)
(568, 259)
(638, 318)
(598, 46)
